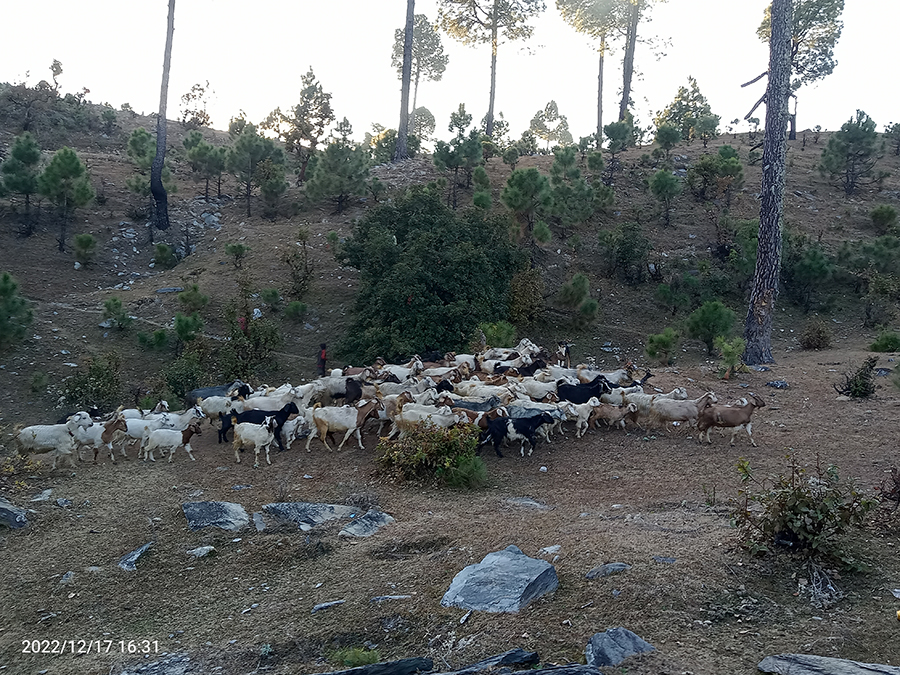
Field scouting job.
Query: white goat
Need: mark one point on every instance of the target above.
(256, 436)
(170, 440)
(58, 439)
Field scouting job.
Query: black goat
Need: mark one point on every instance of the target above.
(237, 387)
(582, 393)
(258, 417)
(522, 429)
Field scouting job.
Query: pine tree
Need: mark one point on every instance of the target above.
(851, 154)
(15, 315)
(141, 150)
(340, 173)
(428, 60)
(665, 187)
(683, 112)
(572, 196)
(667, 137)
(20, 173)
(527, 192)
(207, 161)
(65, 182)
(549, 125)
(245, 155)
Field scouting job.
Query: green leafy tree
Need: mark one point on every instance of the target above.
(683, 112)
(304, 129)
(428, 60)
(667, 137)
(707, 128)
(618, 134)
(550, 126)
(815, 29)
(474, 22)
(237, 252)
(428, 276)
(272, 184)
(85, 248)
(600, 20)
(19, 173)
(422, 123)
(892, 136)
(661, 345)
(141, 149)
(116, 314)
(192, 299)
(709, 321)
(526, 193)
(65, 182)
(461, 155)
(207, 161)
(108, 120)
(851, 154)
(15, 315)
(665, 186)
(245, 157)
(187, 328)
(572, 197)
(715, 176)
(340, 173)
(510, 157)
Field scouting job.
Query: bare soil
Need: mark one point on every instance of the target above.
(610, 496)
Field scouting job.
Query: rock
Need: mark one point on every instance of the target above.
(401, 667)
(170, 289)
(882, 372)
(68, 578)
(384, 598)
(225, 515)
(896, 593)
(127, 561)
(663, 559)
(43, 496)
(613, 646)
(326, 605)
(108, 323)
(761, 369)
(202, 551)
(809, 664)
(548, 550)
(63, 503)
(366, 525)
(843, 398)
(504, 581)
(514, 657)
(607, 570)
(257, 313)
(777, 384)
(307, 515)
(77, 265)
(241, 487)
(172, 664)
(259, 522)
(528, 502)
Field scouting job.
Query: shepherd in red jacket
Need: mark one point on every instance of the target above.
(320, 362)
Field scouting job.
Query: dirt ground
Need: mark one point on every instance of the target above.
(610, 497)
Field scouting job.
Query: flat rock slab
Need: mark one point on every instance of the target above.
(613, 646)
(401, 667)
(173, 664)
(306, 515)
(367, 525)
(809, 664)
(504, 581)
(225, 515)
(12, 516)
(607, 570)
(514, 657)
(528, 503)
(128, 561)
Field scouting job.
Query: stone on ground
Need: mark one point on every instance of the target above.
(607, 570)
(307, 515)
(129, 560)
(11, 515)
(613, 646)
(809, 664)
(504, 581)
(367, 525)
(225, 515)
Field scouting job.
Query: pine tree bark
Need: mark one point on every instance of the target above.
(628, 63)
(160, 198)
(761, 312)
(489, 120)
(600, 94)
(401, 152)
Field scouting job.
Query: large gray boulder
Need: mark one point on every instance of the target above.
(367, 525)
(12, 516)
(504, 581)
(613, 646)
(809, 664)
(307, 515)
(225, 515)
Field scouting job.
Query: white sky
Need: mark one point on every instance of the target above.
(253, 55)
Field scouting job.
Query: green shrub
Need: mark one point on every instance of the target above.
(466, 473)
(272, 297)
(333, 241)
(887, 341)
(187, 327)
(185, 373)
(526, 297)
(625, 251)
(237, 252)
(39, 381)
(731, 352)
(249, 350)
(807, 513)
(158, 340)
(85, 248)
(861, 382)
(114, 312)
(884, 217)
(165, 257)
(575, 292)
(429, 453)
(816, 336)
(15, 316)
(97, 384)
(192, 299)
(499, 334)
(295, 310)
(353, 657)
(711, 320)
(661, 345)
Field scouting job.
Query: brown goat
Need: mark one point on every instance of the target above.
(732, 417)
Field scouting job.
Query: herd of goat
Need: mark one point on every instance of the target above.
(510, 394)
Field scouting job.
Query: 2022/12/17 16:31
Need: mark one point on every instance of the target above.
(90, 646)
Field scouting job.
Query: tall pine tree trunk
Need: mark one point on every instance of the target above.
(600, 94)
(628, 63)
(489, 120)
(412, 112)
(401, 152)
(160, 198)
(761, 312)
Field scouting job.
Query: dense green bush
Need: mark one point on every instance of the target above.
(116, 313)
(192, 299)
(165, 257)
(272, 297)
(887, 341)
(295, 310)
(430, 453)
(158, 340)
(661, 345)
(625, 252)
(884, 217)
(731, 352)
(861, 382)
(711, 320)
(85, 248)
(15, 315)
(499, 333)
(353, 657)
(97, 384)
(806, 513)
(237, 252)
